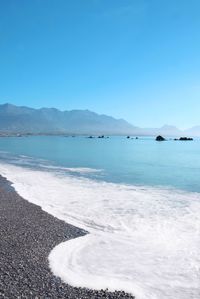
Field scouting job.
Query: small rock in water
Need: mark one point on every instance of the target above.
(160, 138)
(185, 139)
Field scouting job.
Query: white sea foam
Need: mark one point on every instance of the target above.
(82, 170)
(45, 164)
(143, 240)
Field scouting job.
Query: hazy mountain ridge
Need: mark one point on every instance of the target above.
(21, 119)
(51, 120)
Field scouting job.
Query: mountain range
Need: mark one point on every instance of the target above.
(16, 119)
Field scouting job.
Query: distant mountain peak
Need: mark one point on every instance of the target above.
(170, 128)
(7, 105)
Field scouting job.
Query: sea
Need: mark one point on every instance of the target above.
(138, 199)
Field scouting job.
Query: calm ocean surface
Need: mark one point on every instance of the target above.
(138, 199)
(142, 161)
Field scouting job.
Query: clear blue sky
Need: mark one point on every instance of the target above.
(132, 59)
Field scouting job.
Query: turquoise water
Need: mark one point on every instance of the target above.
(143, 161)
(138, 197)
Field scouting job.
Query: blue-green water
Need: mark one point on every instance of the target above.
(132, 196)
(143, 161)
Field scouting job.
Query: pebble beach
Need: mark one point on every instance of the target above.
(27, 236)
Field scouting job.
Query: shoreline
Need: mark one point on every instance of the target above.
(27, 236)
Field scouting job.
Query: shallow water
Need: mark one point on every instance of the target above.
(139, 200)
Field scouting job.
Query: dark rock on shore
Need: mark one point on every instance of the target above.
(160, 138)
(27, 236)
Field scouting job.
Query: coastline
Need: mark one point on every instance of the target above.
(28, 234)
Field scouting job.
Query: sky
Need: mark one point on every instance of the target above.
(132, 59)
